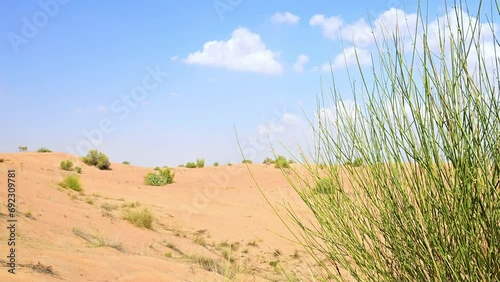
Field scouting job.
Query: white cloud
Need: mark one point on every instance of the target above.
(244, 51)
(349, 56)
(279, 124)
(330, 25)
(174, 58)
(338, 113)
(284, 129)
(362, 35)
(285, 17)
(300, 62)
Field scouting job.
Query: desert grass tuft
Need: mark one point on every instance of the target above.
(411, 175)
(71, 182)
(142, 218)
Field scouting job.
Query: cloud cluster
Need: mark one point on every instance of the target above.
(362, 36)
(244, 51)
(298, 66)
(285, 17)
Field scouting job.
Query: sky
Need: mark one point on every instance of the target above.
(167, 82)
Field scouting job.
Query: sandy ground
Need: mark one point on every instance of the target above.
(212, 224)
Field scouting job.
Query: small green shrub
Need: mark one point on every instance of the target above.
(140, 218)
(43, 150)
(181, 165)
(216, 164)
(97, 159)
(160, 177)
(324, 185)
(268, 161)
(356, 163)
(200, 163)
(71, 182)
(246, 162)
(157, 168)
(281, 162)
(78, 169)
(126, 162)
(229, 164)
(66, 165)
(191, 165)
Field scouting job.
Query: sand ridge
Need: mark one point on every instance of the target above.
(211, 224)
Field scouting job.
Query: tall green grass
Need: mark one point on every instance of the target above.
(420, 201)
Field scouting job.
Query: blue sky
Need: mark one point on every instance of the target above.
(65, 67)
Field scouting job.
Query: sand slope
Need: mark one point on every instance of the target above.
(207, 218)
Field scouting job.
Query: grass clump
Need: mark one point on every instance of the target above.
(216, 164)
(78, 169)
(109, 207)
(191, 165)
(356, 163)
(141, 218)
(43, 150)
(160, 177)
(324, 185)
(422, 204)
(126, 162)
(281, 162)
(268, 161)
(97, 159)
(246, 161)
(71, 182)
(98, 240)
(200, 163)
(66, 165)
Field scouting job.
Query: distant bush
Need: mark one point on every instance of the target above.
(268, 161)
(181, 165)
(324, 185)
(23, 148)
(97, 159)
(126, 162)
(200, 163)
(140, 218)
(216, 164)
(78, 169)
(191, 165)
(43, 150)
(66, 165)
(159, 177)
(229, 164)
(71, 182)
(356, 163)
(281, 162)
(246, 162)
(157, 168)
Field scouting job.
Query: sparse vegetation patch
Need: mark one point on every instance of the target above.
(142, 218)
(71, 182)
(97, 159)
(159, 177)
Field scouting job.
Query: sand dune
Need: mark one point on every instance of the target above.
(211, 224)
